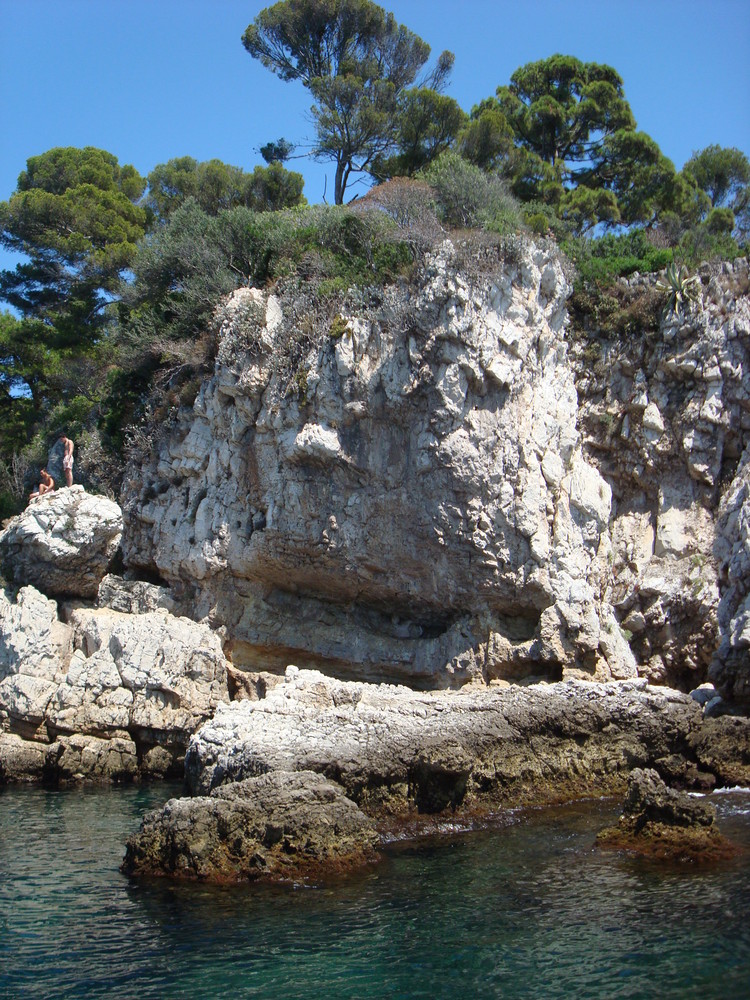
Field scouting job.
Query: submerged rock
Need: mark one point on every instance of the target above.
(660, 822)
(63, 543)
(273, 826)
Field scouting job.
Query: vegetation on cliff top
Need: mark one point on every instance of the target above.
(122, 272)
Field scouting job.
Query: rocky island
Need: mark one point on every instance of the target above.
(440, 557)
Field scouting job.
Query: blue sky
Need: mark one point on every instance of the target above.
(150, 80)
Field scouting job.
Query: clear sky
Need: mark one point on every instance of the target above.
(150, 80)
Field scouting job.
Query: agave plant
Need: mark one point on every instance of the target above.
(682, 289)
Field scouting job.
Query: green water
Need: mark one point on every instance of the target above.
(524, 910)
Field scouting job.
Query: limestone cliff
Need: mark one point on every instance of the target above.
(409, 503)
(431, 487)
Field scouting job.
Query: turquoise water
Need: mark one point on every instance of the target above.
(525, 910)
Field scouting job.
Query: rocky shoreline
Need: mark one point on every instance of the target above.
(493, 555)
(398, 757)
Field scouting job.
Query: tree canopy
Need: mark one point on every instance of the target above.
(356, 60)
(216, 186)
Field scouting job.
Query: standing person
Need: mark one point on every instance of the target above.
(67, 461)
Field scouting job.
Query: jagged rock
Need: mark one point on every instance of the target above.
(153, 676)
(393, 749)
(410, 504)
(730, 669)
(150, 678)
(274, 826)
(35, 649)
(134, 597)
(661, 822)
(63, 543)
(663, 416)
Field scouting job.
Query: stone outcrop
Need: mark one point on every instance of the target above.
(35, 649)
(393, 749)
(105, 677)
(276, 826)
(63, 543)
(407, 503)
(731, 665)
(663, 823)
(449, 482)
(664, 411)
(316, 757)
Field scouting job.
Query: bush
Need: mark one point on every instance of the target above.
(601, 261)
(469, 197)
(412, 206)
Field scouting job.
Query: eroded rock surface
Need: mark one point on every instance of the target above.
(393, 749)
(63, 543)
(731, 665)
(664, 411)
(104, 677)
(410, 503)
(274, 826)
(661, 822)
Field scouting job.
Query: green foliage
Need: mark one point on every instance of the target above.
(561, 109)
(277, 152)
(184, 268)
(468, 196)
(723, 174)
(487, 138)
(73, 216)
(601, 261)
(217, 186)
(682, 290)
(356, 60)
(427, 125)
(615, 312)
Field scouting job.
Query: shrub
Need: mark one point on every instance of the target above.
(601, 261)
(467, 196)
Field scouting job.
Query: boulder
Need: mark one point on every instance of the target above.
(273, 827)
(63, 543)
(660, 822)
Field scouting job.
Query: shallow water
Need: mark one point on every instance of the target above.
(524, 910)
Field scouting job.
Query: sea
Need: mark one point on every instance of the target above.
(525, 907)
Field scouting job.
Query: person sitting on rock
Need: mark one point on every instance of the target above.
(46, 485)
(67, 462)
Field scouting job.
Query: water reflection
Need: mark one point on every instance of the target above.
(527, 909)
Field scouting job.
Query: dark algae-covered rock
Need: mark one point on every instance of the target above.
(275, 826)
(663, 823)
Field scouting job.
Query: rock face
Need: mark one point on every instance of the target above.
(731, 666)
(409, 503)
(63, 543)
(448, 482)
(664, 413)
(275, 826)
(146, 680)
(658, 821)
(393, 749)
